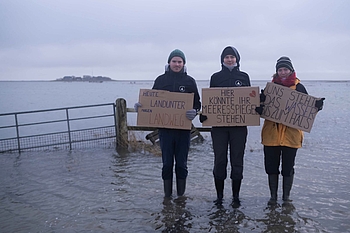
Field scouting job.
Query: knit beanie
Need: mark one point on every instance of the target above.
(284, 62)
(177, 53)
(229, 50)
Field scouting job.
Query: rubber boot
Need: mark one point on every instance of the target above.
(287, 186)
(168, 188)
(219, 186)
(236, 186)
(180, 186)
(273, 185)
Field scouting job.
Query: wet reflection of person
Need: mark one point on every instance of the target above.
(279, 219)
(224, 220)
(175, 215)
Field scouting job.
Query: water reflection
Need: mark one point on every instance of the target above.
(279, 219)
(226, 220)
(105, 191)
(176, 218)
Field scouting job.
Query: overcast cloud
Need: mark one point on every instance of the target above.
(131, 40)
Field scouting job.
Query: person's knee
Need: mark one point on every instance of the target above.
(181, 173)
(219, 175)
(288, 173)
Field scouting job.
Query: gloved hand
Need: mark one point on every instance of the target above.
(260, 109)
(202, 118)
(262, 96)
(191, 114)
(136, 106)
(319, 104)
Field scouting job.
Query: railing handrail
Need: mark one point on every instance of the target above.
(56, 109)
(62, 136)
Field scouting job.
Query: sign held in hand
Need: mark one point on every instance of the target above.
(289, 107)
(164, 109)
(230, 106)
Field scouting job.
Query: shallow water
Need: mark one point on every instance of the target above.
(104, 191)
(101, 190)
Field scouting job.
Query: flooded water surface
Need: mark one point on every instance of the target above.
(102, 190)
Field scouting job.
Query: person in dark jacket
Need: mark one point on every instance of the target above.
(281, 141)
(234, 137)
(175, 143)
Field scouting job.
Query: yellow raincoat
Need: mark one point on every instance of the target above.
(277, 134)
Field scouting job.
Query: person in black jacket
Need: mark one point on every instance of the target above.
(175, 143)
(234, 137)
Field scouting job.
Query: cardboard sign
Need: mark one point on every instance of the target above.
(230, 106)
(164, 109)
(289, 107)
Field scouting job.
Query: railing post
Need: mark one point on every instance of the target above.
(68, 127)
(122, 128)
(17, 133)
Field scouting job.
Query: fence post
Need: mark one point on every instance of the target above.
(122, 128)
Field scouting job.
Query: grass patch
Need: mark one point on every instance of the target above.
(136, 144)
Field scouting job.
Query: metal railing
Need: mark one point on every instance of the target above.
(59, 128)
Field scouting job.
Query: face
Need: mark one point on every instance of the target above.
(230, 60)
(176, 64)
(283, 72)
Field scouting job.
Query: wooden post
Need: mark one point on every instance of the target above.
(122, 128)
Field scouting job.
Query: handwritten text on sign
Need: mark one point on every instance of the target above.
(289, 107)
(164, 109)
(230, 106)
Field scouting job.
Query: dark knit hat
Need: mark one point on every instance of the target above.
(229, 50)
(177, 53)
(284, 62)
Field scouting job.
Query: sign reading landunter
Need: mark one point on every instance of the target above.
(164, 109)
(230, 106)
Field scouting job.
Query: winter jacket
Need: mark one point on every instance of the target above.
(227, 78)
(178, 82)
(277, 134)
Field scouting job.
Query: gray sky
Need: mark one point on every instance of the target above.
(46, 40)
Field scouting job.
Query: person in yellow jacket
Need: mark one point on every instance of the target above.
(280, 140)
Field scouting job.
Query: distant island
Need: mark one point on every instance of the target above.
(85, 78)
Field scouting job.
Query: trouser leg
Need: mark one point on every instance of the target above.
(287, 186)
(237, 142)
(273, 185)
(219, 186)
(288, 161)
(167, 148)
(236, 186)
(220, 139)
(182, 145)
(181, 148)
(272, 157)
(168, 161)
(272, 160)
(168, 187)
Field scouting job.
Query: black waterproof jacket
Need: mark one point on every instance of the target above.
(227, 78)
(178, 82)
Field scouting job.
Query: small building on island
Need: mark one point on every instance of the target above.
(85, 78)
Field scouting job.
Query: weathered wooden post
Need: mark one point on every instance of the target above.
(122, 127)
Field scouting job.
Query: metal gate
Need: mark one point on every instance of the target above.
(61, 128)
